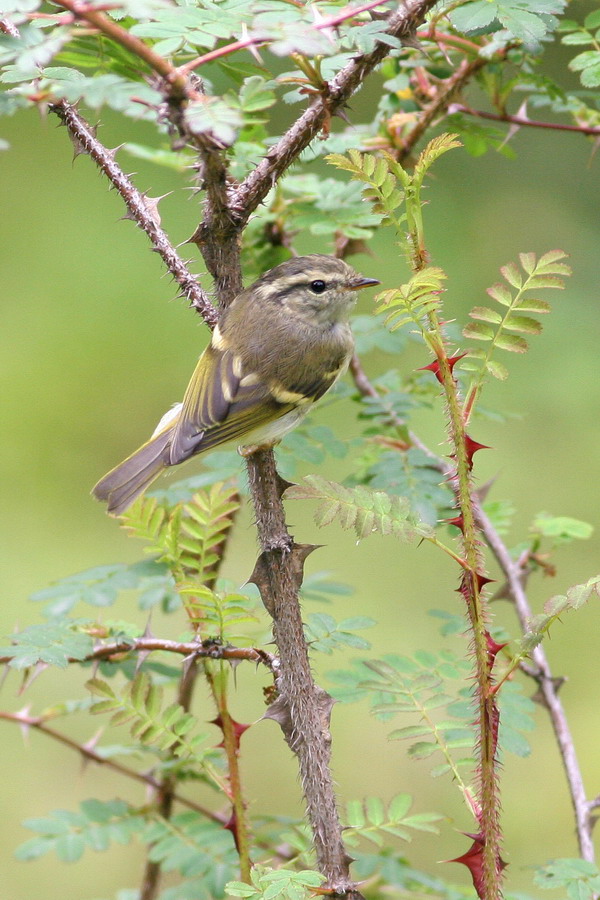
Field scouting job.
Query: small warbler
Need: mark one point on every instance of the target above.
(279, 346)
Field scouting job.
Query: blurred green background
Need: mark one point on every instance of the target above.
(94, 349)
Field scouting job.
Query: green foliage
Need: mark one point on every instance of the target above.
(554, 608)
(68, 834)
(141, 704)
(408, 473)
(580, 878)
(319, 587)
(55, 644)
(382, 176)
(193, 846)
(217, 615)
(560, 529)
(268, 884)
(324, 634)
(97, 587)
(529, 21)
(411, 302)
(372, 820)
(587, 63)
(187, 537)
(504, 330)
(365, 511)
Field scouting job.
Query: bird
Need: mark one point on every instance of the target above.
(278, 347)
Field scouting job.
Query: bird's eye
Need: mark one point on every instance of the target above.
(318, 286)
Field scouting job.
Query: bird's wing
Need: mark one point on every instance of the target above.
(221, 403)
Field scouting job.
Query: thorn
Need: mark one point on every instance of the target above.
(251, 47)
(472, 447)
(482, 580)
(493, 648)
(148, 631)
(238, 729)
(435, 366)
(473, 860)
(283, 485)
(151, 204)
(24, 725)
(457, 521)
(30, 675)
(232, 826)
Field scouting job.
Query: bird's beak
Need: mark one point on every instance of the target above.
(358, 283)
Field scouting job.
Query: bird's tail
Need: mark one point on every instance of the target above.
(120, 487)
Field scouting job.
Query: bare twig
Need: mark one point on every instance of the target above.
(590, 130)
(302, 709)
(87, 751)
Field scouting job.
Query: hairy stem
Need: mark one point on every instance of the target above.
(238, 823)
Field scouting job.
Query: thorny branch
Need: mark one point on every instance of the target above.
(541, 671)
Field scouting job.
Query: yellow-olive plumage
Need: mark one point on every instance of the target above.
(278, 347)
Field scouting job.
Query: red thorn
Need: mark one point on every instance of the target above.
(473, 860)
(482, 580)
(232, 826)
(458, 521)
(493, 647)
(472, 447)
(435, 366)
(466, 583)
(238, 729)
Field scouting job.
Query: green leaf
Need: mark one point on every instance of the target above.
(256, 93)
(364, 510)
(479, 331)
(562, 529)
(523, 324)
(55, 643)
(500, 293)
(484, 314)
(214, 116)
(512, 342)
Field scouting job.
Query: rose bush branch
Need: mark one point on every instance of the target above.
(541, 672)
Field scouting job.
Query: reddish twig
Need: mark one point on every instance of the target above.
(438, 107)
(89, 754)
(590, 130)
